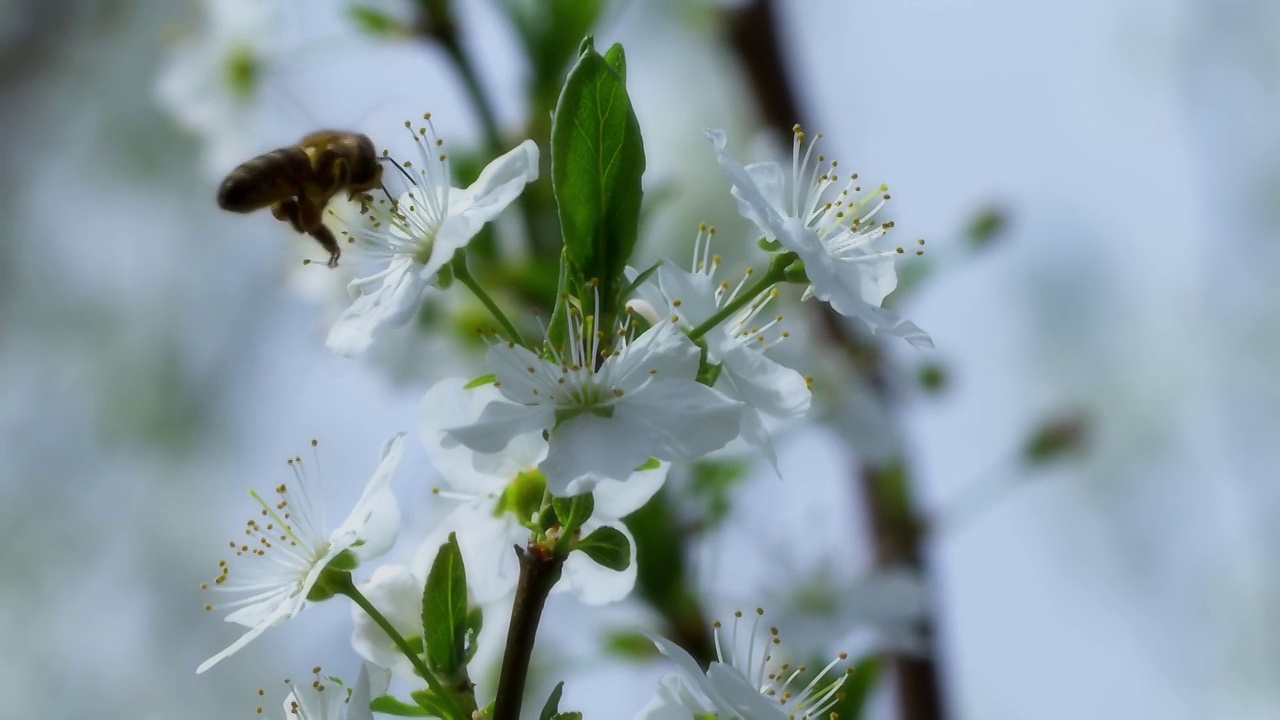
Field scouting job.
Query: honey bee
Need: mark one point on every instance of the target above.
(297, 182)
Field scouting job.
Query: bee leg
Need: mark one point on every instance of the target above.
(291, 212)
(310, 217)
(324, 236)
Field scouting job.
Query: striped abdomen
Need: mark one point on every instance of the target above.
(267, 179)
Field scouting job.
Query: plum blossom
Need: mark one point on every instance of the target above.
(742, 684)
(737, 344)
(283, 555)
(812, 215)
(491, 517)
(317, 700)
(417, 235)
(604, 411)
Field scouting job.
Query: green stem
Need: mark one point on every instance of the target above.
(465, 277)
(775, 274)
(350, 590)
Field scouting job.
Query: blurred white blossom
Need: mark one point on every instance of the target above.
(317, 700)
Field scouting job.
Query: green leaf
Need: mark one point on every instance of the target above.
(391, 705)
(444, 610)
(429, 702)
(482, 380)
(1060, 436)
(575, 715)
(552, 706)
(608, 547)
(573, 511)
(985, 227)
(617, 60)
(475, 621)
(629, 644)
(597, 161)
(376, 22)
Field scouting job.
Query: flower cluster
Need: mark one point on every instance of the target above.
(571, 426)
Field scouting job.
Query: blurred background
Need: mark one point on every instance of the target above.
(1098, 182)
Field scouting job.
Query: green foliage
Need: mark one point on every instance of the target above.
(445, 620)
(985, 228)
(391, 705)
(1058, 437)
(552, 705)
(376, 22)
(933, 377)
(713, 482)
(475, 623)
(431, 703)
(628, 644)
(573, 511)
(608, 547)
(551, 709)
(597, 161)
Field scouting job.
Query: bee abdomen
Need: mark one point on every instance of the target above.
(264, 180)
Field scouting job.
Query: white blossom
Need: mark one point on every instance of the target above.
(811, 214)
(279, 561)
(414, 237)
(737, 344)
(488, 521)
(605, 411)
(320, 700)
(749, 683)
(396, 592)
(210, 80)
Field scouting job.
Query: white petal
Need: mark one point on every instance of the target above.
(619, 498)
(756, 435)
(752, 203)
(771, 182)
(589, 448)
(688, 668)
(371, 683)
(393, 303)
(499, 184)
(684, 419)
(448, 403)
(282, 612)
(739, 697)
(375, 520)
(517, 371)
(499, 422)
(662, 351)
(487, 542)
(765, 385)
(672, 703)
(878, 276)
(397, 593)
(694, 291)
(595, 584)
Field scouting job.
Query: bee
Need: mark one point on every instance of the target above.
(297, 182)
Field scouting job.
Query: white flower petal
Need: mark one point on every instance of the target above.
(619, 498)
(661, 352)
(752, 203)
(683, 418)
(672, 702)
(283, 611)
(695, 293)
(371, 683)
(393, 303)
(689, 669)
(375, 520)
(589, 448)
(397, 593)
(499, 184)
(770, 180)
(499, 422)
(767, 386)
(595, 584)
(449, 403)
(739, 697)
